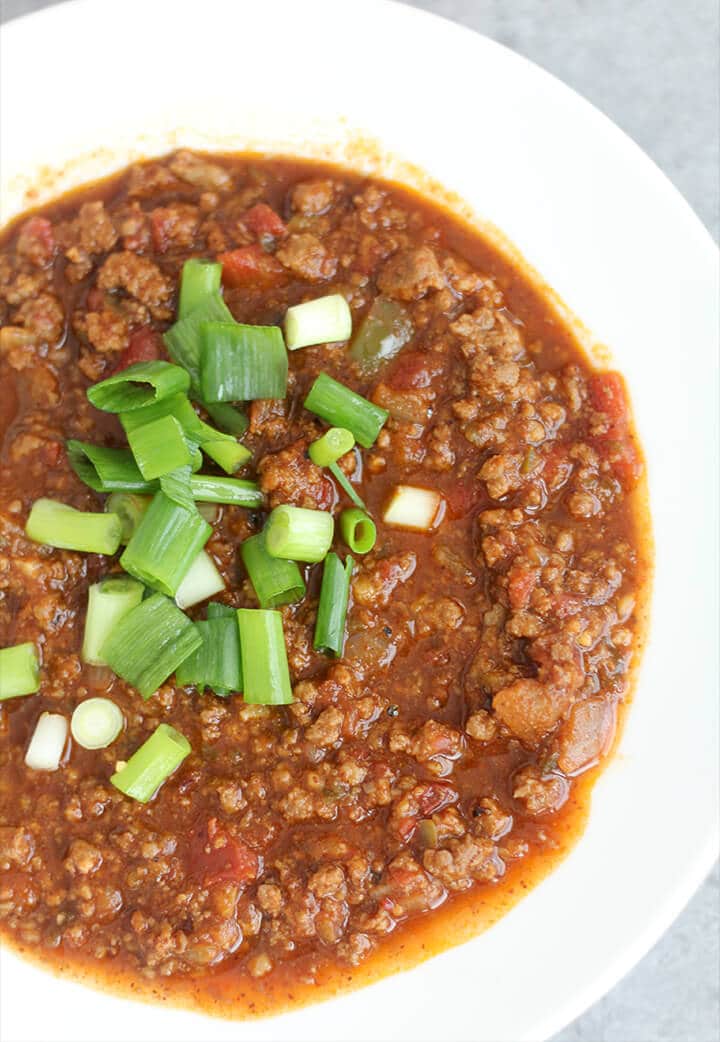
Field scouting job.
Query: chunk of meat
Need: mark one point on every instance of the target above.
(521, 583)
(215, 855)
(586, 734)
(436, 739)
(312, 198)
(139, 277)
(36, 241)
(200, 172)
(82, 858)
(530, 709)
(539, 793)
(43, 316)
(93, 229)
(606, 392)
(174, 227)
(305, 256)
(17, 846)
(375, 583)
(290, 476)
(463, 861)
(410, 273)
(106, 330)
(250, 266)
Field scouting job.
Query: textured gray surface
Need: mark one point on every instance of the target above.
(652, 66)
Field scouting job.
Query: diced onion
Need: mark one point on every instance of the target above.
(47, 743)
(96, 723)
(323, 321)
(203, 580)
(412, 507)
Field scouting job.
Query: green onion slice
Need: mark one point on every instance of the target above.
(183, 339)
(208, 488)
(199, 280)
(96, 723)
(159, 447)
(297, 534)
(326, 320)
(345, 485)
(358, 530)
(383, 333)
(149, 644)
(333, 444)
(228, 417)
(242, 363)
(138, 385)
(151, 765)
(130, 509)
(202, 580)
(266, 674)
(48, 742)
(176, 486)
(341, 407)
(109, 601)
(332, 609)
(56, 524)
(274, 580)
(104, 469)
(167, 541)
(19, 671)
(216, 663)
(218, 610)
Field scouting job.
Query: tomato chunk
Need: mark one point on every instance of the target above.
(145, 345)
(521, 583)
(263, 222)
(249, 266)
(607, 395)
(216, 856)
(414, 369)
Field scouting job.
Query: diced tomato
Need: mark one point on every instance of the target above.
(250, 266)
(405, 828)
(145, 345)
(95, 299)
(521, 583)
(263, 222)
(606, 392)
(161, 221)
(216, 856)
(463, 496)
(412, 370)
(435, 797)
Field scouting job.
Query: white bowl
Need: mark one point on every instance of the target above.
(610, 234)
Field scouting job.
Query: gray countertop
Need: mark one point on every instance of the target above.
(652, 66)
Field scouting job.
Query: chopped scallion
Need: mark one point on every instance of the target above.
(183, 339)
(266, 674)
(130, 509)
(56, 524)
(176, 486)
(104, 469)
(149, 644)
(167, 541)
(297, 534)
(19, 671)
(216, 663)
(242, 363)
(345, 485)
(326, 320)
(159, 447)
(208, 488)
(96, 723)
(202, 580)
(338, 405)
(47, 743)
(332, 609)
(274, 580)
(228, 417)
(151, 765)
(333, 444)
(358, 530)
(199, 280)
(138, 385)
(109, 601)
(218, 610)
